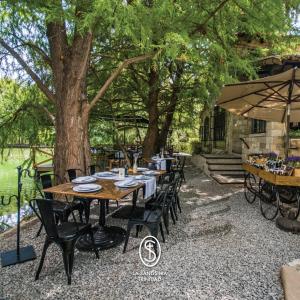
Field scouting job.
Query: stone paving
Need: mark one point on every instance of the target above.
(221, 248)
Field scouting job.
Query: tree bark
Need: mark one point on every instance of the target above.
(69, 66)
(150, 145)
(163, 136)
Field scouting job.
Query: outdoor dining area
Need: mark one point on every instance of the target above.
(144, 195)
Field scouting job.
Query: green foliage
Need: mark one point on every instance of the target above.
(208, 38)
(22, 119)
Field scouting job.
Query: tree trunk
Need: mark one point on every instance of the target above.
(72, 149)
(69, 65)
(171, 107)
(150, 145)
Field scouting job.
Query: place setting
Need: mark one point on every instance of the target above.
(87, 188)
(127, 183)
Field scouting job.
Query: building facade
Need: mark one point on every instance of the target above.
(223, 132)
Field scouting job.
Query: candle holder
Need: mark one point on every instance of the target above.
(20, 254)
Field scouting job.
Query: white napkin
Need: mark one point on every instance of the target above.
(150, 187)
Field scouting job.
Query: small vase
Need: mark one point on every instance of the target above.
(134, 168)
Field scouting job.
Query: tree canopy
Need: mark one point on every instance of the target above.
(157, 59)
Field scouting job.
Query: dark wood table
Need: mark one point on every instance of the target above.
(105, 236)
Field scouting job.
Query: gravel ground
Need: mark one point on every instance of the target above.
(221, 248)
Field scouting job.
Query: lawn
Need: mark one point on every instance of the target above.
(9, 177)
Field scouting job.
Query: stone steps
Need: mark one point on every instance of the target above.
(224, 168)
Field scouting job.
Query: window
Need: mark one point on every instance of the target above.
(205, 130)
(219, 124)
(258, 126)
(295, 126)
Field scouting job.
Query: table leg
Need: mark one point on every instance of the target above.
(105, 236)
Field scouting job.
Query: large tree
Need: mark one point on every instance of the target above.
(55, 41)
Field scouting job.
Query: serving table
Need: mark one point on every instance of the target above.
(105, 236)
(276, 193)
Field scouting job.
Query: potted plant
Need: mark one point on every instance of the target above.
(294, 161)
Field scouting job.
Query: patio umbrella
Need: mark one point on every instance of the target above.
(272, 98)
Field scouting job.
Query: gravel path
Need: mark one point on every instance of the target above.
(221, 248)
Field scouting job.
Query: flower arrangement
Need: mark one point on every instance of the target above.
(293, 161)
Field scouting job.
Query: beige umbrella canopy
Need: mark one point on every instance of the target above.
(272, 98)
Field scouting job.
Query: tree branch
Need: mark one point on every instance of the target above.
(29, 71)
(116, 73)
(201, 27)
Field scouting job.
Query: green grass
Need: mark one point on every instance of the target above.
(9, 177)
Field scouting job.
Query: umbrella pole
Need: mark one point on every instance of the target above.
(287, 135)
(288, 114)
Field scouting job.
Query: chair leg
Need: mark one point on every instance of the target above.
(40, 230)
(129, 226)
(154, 232)
(80, 211)
(172, 215)
(174, 207)
(87, 210)
(137, 231)
(46, 245)
(162, 232)
(68, 257)
(178, 203)
(107, 206)
(93, 241)
(166, 222)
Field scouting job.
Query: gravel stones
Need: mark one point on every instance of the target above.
(220, 248)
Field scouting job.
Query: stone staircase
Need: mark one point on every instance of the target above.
(224, 168)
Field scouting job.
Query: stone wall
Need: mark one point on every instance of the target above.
(239, 127)
(271, 141)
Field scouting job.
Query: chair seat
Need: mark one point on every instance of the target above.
(146, 215)
(69, 230)
(61, 207)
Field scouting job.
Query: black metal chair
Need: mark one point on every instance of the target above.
(64, 235)
(179, 167)
(92, 169)
(170, 186)
(149, 217)
(61, 209)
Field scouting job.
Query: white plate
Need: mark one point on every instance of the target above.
(143, 177)
(87, 188)
(104, 174)
(151, 172)
(126, 184)
(139, 169)
(115, 170)
(84, 179)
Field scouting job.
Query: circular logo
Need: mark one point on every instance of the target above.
(149, 251)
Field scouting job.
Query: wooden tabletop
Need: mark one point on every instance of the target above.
(159, 172)
(108, 191)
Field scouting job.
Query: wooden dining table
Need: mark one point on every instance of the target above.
(105, 236)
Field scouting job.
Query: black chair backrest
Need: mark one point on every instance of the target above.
(181, 162)
(92, 169)
(46, 181)
(168, 165)
(47, 216)
(72, 173)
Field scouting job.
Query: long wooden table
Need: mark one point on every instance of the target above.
(105, 236)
